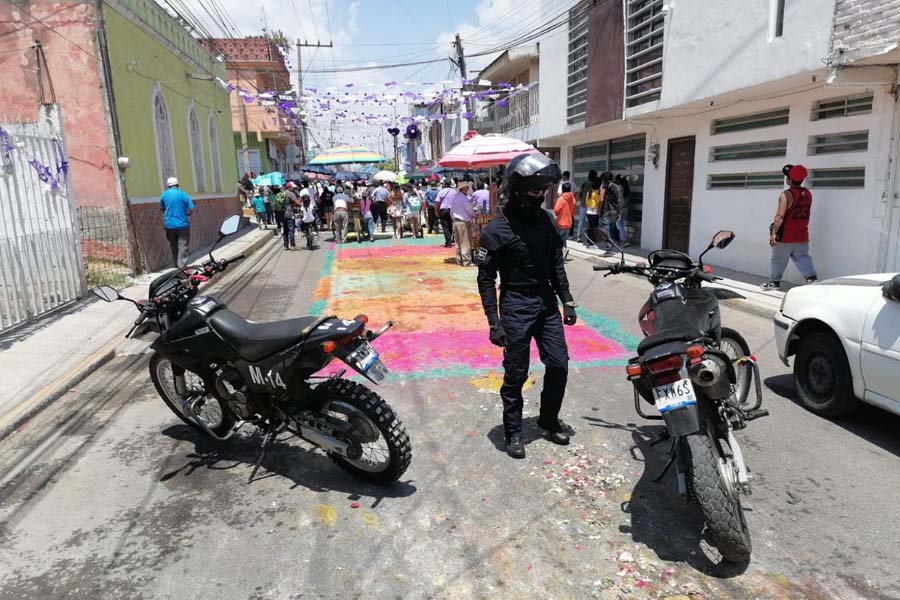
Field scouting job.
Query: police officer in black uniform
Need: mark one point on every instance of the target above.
(523, 246)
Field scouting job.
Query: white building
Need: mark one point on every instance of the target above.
(702, 103)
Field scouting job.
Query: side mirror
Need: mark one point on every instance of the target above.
(891, 289)
(230, 225)
(722, 239)
(106, 293)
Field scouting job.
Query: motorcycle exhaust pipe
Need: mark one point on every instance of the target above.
(709, 374)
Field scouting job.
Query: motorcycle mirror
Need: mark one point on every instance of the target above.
(891, 289)
(722, 239)
(106, 293)
(230, 225)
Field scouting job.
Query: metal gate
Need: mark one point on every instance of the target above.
(40, 249)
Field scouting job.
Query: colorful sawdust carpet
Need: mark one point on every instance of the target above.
(439, 325)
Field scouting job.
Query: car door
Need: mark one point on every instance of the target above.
(881, 348)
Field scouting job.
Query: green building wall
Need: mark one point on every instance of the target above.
(140, 63)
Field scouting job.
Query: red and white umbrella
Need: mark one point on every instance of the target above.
(482, 151)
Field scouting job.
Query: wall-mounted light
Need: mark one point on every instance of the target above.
(653, 154)
(124, 162)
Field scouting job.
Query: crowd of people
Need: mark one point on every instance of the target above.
(458, 209)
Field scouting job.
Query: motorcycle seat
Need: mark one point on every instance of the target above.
(666, 336)
(254, 341)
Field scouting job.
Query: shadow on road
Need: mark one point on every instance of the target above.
(869, 422)
(306, 467)
(660, 519)
(530, 433)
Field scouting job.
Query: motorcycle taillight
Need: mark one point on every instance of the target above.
(665, 364)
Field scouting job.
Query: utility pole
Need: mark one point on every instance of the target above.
(303, 134)
(464, 102)
(245, 150)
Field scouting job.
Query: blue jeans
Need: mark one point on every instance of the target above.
(288, 231)
(606, 226)
(580, 218)
(369, 224)
(799, 253)
(564, 234)
(621, 226)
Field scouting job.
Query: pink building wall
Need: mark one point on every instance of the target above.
(75, 71)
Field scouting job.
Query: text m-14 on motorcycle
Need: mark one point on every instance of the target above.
(218, 372)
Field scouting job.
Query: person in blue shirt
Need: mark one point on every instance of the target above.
(432, 212)
(177, 208)
(259, 207)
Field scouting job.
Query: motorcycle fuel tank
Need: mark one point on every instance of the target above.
(191, 340)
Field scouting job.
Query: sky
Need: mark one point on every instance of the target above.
(372, 32)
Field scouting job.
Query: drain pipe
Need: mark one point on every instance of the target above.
(891, 192)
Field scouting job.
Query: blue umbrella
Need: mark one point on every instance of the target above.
(348, 176)
(269, 179)
(317, 169)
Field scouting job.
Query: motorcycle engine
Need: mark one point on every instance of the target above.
(231, 389)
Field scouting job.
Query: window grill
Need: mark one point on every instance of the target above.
(852, 177)
(771, 118)
(847, 106)
(643, 51)
(745, 181)
(766, 149)
(833, 143)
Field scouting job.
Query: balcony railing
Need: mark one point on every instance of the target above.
(521, 111)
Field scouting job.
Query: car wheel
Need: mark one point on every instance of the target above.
(822, 375)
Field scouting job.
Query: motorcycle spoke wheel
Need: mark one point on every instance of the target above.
(380, 451)
(210, 412)
(735, 347)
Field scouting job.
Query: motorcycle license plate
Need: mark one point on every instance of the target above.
(366, 359)
(677, 394)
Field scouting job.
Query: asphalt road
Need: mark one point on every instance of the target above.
(107, 495)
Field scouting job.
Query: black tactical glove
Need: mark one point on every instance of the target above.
(569, 316)
(497, 335)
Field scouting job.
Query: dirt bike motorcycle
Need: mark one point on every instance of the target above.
(219, 372)
(698, 375)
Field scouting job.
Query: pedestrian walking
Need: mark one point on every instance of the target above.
(412, 209)
(564, 210)
(395, 211)
(609, 208)
(622, 222)
(278, 210)
(341, 215)
(580, 224)
(462, 211)
(592, 203)
(269, 197)
(432, 215)
(522, 246)
(365, 209)
(566, 178)
(307, 220)
(291, 204)
(443, 204)
(324, 208)
(259, 208)
(789, 231)
(380, 196)
(177, 208)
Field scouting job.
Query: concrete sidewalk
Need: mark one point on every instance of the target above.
(44, 359)
(759, 302)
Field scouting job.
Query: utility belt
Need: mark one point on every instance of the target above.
(524, 288)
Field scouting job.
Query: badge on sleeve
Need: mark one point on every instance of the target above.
(481, 255)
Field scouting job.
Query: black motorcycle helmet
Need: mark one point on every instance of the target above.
(529, 173)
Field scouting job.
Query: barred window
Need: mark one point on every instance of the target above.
(579, 20)
(196, 151)
(767, 149)
(165, 149)
(832, 143)
(848, 106)
(644, 26)
(745, 181)
(769, 118)
(852, 177)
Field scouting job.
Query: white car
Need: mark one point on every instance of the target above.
(845, 336)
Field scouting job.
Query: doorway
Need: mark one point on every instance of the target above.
(679, 194)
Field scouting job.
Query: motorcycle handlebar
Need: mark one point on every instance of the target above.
(227, 261)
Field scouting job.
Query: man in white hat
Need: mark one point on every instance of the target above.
(177, 208)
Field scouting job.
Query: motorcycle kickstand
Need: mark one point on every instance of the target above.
(668, 464)
(271, 433)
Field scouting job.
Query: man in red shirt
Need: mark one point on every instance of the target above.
(565, 210)
(789, 231)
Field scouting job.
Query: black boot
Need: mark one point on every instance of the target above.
(556, 433)
(514, 446)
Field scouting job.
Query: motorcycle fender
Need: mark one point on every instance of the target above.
(682, 421)
(723, 294)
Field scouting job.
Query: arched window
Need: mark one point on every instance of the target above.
(165, 150)
(196, 151)
(214, 154)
